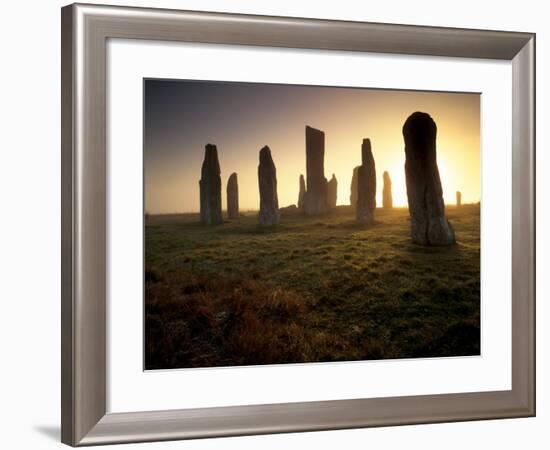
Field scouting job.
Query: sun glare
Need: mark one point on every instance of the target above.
(399, 187)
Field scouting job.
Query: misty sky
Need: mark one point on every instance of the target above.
(181, 117)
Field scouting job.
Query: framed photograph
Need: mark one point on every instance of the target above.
(282, 224)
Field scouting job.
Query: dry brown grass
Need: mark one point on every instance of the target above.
(201, 321)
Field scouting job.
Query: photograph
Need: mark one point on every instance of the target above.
(309, 224)
(266, 225)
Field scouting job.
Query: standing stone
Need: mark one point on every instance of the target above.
(267, 180)
(429, 226)
(232, 197)
(210, 186)
(366, 186)
(301, 194)
(315, 201)
(458, 198)
(387, 198)
(353, 192)
(332, 192)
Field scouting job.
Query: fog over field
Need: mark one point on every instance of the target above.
(181, 117)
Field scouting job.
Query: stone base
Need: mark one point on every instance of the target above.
(314, 205)
(365, 216)
(269, 219)
(437, 232)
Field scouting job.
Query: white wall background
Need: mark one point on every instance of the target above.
(30, 238)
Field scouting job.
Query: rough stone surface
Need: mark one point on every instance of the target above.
(232, 197)
(366, 186)
(315, 201)
(332, 192)
(458, 198)
(353, 189)
(210, 186)
(387, 198)
(302, 193)
(429, 226)
(267, 181)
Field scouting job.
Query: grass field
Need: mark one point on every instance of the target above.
(312, 289)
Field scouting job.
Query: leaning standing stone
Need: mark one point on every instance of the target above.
(301, 194)
(332, 192)
(210, 186)
(267, 180)
(315, 201)
(232, 197)
(366, 186)
(353, 189)
(429, 226)
(387, 198)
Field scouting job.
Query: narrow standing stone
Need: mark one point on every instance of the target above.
(387, 198)
(429, 226)
(353, 189)
(210, 186)
(332, 192)
(301, 194)
(366, 186)
(458, 198)
(232, 197)
(267, 180)
(315, 201)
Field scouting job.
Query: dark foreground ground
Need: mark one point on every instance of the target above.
(313, 289)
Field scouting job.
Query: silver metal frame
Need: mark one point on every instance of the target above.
(85, 30)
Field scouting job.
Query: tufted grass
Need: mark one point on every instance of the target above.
(309, 290)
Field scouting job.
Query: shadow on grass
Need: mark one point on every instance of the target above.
(354, 226)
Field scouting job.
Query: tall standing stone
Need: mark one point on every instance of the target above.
(366, 186)
(353, 189)
(301, 194)
(332, 192)
(232, 197)
(315, 201)
(387, 197)
(429, 226)
(267, 180)
(458, 198)
(210, 186)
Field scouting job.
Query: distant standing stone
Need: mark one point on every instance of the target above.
(289, 211)
(267, 180)
(210, 186)
(458, 198)
(301, 194)
(366, 186)
(429, 226)
(315, 201)
(232, 197)
(353, 189)
(332, 192)
(387, 198)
